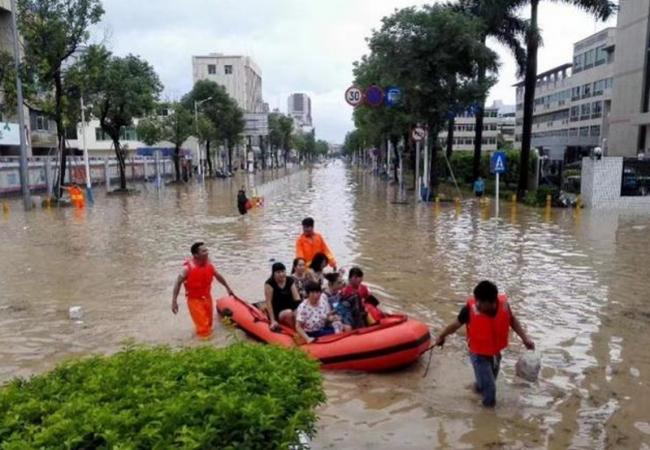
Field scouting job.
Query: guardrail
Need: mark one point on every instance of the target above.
(43, 170)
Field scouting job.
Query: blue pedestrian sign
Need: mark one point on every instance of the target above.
(499, 163)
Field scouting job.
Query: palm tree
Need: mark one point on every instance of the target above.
(501, 23)
(601, 9)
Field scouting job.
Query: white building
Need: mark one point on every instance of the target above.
(299, 107)
(241, 77)
(465, 127)
(573, 101)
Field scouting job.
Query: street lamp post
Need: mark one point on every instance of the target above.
(89, 187)
(198, 145)
(24, 171)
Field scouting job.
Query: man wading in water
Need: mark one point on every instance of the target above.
(197, 275)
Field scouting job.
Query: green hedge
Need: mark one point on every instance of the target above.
(246, 396)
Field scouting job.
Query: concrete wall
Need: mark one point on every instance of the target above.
(631, 47)
(601, 186)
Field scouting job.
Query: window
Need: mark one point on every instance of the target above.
(71, 133)
(212, 69)
(586, 90)
(42, 123)
(577, 63)
(599, 87)
(573, 131)
(584, 131)
(575, 113)
(595, 131)
(609, 83)
(585, 111)
(596, 110)
(589, 59)
(100, 135)
(227, 69)
(128, 134)
(601, 56)
(575, 93)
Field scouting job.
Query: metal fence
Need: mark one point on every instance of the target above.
(636, 178)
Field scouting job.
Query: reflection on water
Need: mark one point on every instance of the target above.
(578, 282)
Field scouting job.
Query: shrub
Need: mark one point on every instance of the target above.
(538, 197)
(246, 396)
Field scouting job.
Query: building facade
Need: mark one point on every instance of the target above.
(573, 101)
(299, 107)
(239, 75)
(630, 113)
(464, 129)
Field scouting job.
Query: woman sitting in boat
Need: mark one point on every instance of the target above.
(281, 296)
(299, 275)
(349, 310)
(314, 317)
(316, 269)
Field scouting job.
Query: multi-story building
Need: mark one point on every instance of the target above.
(465, 127)
(573, 101)
(299, 107)
(241, 77)
(630, 113)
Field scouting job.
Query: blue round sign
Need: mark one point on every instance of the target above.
(393, 96)
(374, 96)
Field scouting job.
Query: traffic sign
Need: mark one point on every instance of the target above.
(418, 134)
(393, 96)
(374, 96)
(499, 163)
(354, 96)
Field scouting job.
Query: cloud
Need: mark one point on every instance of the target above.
(300, 45)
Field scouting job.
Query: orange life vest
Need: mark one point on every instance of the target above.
(198, 283)
(487, 335)
(76, 196)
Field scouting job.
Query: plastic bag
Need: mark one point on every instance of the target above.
(528, 366)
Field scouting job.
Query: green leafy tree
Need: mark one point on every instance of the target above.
(286, 131)
(150, 130)
(52, 31)
(119, 90)
(222, 111)
(321, 148)
(177, 127)
(427, 51)
(207, 134)
(600, 9)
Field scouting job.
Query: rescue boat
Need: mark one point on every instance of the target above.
(395, 342)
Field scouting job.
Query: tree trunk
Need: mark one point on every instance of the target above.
(60, 131)
(121, 163)
(529, 100)
(395, 142)
(263, 152)
(208, 158)
(177, 163)
(433, 144)
(478, 130)
(450, 136)
(229, 157)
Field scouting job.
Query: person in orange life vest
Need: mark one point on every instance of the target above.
(488, 318)
(310, 243)
(197, 275)
(76, 196)
(356, 287)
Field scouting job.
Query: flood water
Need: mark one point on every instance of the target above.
(579, 283)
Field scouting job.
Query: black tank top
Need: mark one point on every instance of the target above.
(282, 298)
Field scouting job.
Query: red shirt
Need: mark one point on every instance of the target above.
(362, 291)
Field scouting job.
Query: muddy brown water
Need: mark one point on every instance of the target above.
(579, 282)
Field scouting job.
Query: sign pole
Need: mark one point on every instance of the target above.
(418, 189)
(496, 200)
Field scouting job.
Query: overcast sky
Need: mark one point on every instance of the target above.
(301, 45)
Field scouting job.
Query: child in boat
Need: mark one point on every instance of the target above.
(356, 288)
(488, 318)
(314, 316)
(333, 295)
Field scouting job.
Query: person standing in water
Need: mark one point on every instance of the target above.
(197, 275)
(242, 201)
(488, 318)
(310, 243)
(479, 188)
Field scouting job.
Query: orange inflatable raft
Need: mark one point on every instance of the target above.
(395, 342)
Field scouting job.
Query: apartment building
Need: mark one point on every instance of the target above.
(241, 77)
(299, 108)
(573, 101)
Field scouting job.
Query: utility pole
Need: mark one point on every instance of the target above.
(24, 171)
(89, 187)
(201, 176)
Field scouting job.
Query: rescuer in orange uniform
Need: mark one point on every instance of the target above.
(76, 196)
(488, 318)
(309, 243)
(197, 275)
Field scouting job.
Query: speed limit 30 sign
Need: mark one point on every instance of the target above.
(354, 96)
